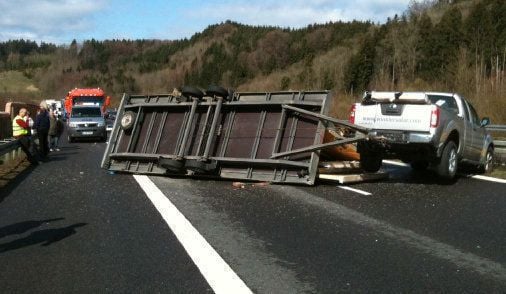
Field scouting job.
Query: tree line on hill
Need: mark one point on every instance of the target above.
(457, 45)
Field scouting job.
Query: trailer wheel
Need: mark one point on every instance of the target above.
(127, 121)
(447, 168)
(370, 161)
(189, 91)
(217, 91)
(172, 165)
(200, 167)
(488, 166)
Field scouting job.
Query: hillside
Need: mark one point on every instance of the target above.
(435, 45)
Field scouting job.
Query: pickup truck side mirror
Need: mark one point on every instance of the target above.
(485, 121)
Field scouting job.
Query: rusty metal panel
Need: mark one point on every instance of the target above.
(233, 138)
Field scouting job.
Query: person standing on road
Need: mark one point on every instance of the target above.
(42, 127)
(31, 134)
(21, 131)
(60, 127)
(53, 132)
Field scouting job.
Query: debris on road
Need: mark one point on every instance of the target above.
(242, 185)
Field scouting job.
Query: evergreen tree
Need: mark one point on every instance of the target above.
(360, 69)
(448, 38)
(425, 48)
(479, 33)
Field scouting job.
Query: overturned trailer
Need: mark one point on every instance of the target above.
(267, 136)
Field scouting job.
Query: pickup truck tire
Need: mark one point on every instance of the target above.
(488, 166)
(370, 162)
(420, 165)
(447, 168)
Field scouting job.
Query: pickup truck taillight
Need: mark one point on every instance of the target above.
(434, 117)
(352, 113)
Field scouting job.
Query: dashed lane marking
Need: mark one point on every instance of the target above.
(355, 190)
(215, 270)
(398, 163)
(490, 179)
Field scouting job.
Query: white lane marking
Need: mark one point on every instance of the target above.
(398, 163)
(481, 265)
(490, 179)
(355, 190)
(215, 270)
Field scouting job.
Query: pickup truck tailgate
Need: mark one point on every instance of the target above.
(390, 116)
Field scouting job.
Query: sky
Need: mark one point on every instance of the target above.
(61, 21)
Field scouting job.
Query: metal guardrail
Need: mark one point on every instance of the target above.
(498, 128)
(500, 145)
(8, 145)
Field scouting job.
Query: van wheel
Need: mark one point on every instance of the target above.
(488, 166)
(370, 162)
(447, 168)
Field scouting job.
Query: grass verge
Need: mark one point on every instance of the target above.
(10, 169)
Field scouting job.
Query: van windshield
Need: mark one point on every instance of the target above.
(86, 112)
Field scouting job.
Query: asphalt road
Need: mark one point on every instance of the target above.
(68, 226)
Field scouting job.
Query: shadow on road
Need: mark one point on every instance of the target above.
(42, 237)
(12, 183)
(22, 227)
(422, 177)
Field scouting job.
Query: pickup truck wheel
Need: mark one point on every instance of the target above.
(420, 165)
(370, 162)
(447, 168)
(488, 166)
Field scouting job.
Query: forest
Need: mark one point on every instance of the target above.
(449, 46)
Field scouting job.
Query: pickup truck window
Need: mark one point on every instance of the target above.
(445, 102)
(474, 115)
(466, 110)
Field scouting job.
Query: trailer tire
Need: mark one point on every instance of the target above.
(447, 168)
(172, 165)
(217, 91)
(198, 167)
(189, 91)
(127, 120)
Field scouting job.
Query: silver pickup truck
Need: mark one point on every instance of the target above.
(425, 129)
